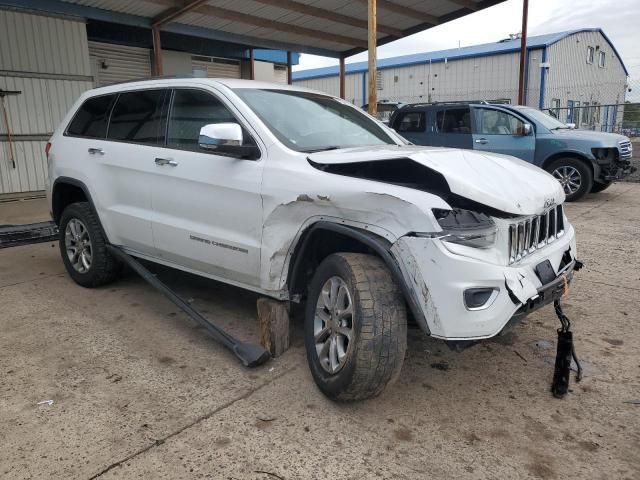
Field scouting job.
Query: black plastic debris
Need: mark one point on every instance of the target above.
(565, 352)
(15, 235)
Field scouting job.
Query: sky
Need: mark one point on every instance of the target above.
(619, 19)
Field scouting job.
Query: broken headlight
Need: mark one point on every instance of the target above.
(465, 227)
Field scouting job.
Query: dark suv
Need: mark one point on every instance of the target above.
(583, 161)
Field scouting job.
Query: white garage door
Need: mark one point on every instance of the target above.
(216, 67)
(118, 63)
(280, 73)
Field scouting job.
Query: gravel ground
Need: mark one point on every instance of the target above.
(136, 391)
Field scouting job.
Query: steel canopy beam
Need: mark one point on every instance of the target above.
(328, 15)
(468, 4)
(173, 14)
(405, 11)
(373, 67)
(247, 19)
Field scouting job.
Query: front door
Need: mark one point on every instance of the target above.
(208, 207)
(499, 131)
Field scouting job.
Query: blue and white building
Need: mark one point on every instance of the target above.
(570, 72)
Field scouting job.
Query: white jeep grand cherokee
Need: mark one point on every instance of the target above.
(302, 197)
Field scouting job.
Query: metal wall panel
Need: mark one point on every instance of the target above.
(41, 105)
(570, 77)
(31, 167)
(122, 63)
(39, 44)
(280, 74)
(353, 87)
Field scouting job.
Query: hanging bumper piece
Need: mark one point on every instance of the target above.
(566, 351)
(250, 355)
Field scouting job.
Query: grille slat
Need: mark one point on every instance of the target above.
(527, 236)
(626, 151)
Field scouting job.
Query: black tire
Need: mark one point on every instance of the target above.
(103, 268)
(375, 355)
(583, 170)
(599, 187)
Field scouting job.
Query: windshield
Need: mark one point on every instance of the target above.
(310, 122)
(546, 120)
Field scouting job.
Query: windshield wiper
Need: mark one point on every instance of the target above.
(323, 149)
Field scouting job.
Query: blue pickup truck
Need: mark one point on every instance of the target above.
(583, 161)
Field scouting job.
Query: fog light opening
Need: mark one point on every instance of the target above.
(480, 298)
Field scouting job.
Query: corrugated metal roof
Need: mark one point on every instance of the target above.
(504, 46)
(328, 27)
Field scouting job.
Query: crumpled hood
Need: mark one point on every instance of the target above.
(498, 181)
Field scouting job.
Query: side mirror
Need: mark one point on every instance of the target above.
(226, 139)
(527, 129)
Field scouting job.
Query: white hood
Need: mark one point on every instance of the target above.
(498, 181)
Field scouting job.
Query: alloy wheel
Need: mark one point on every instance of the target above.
(333, 326)
(78, 245)
(569, 177)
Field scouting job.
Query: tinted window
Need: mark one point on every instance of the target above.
(92, 117)
(497, 122)
(411, 122)
(138, 117)
(193, 109)
(454, 120)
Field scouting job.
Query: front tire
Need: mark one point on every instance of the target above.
(355, 327)
(83, 247)
(574, 175)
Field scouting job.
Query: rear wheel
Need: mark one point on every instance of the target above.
(599, 187)
(355, 327)
(83, 247)
(574, 175)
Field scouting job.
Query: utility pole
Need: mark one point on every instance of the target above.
(523, 51)
(373, 69)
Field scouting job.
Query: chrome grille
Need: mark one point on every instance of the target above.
(626, 151)
(535, 232)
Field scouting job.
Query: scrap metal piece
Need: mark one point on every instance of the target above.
(565, 352)
(15, 235)
(250, 354)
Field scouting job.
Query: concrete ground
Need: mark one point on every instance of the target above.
(138, 392)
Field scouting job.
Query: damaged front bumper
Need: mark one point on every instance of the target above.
(439, 278)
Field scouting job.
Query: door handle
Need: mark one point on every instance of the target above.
(482, 141)
(96, 151)
(166, 161)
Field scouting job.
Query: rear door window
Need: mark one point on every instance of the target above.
(411, 122)
(139, 117)
(92, 118)
(454, 120)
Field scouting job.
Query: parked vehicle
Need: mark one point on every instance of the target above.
(583, 161)
(385, 110)
(303, 197)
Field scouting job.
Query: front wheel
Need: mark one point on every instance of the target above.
(574, 175)
(355, 327)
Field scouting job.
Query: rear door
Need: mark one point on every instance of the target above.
(114, 137)
(136, 130)
(412, 126)
(208, 207)
(452, 127)
(500, 131)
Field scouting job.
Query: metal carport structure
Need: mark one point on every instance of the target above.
(332, 28)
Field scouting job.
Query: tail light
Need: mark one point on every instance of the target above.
(46, 151)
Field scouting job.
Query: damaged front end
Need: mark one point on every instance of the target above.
(499, 248)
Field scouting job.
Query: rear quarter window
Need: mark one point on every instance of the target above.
(92, 118)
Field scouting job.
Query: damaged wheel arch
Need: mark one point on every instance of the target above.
(313, 247)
